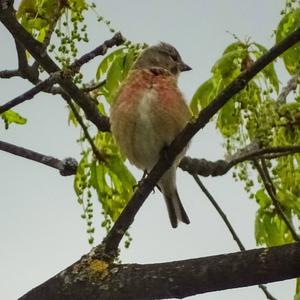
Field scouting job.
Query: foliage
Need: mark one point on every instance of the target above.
(108, 180)
(255, 116)
(10, 117)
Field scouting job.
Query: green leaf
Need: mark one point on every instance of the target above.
(269, 71)
(235, 46)
(114, 77)
(107, 61)
(129, 59)
(10, 117)
(228, 67)
(117, 166)
(229, 119)
(289, 23)
(297, 294)
(112, 180)
(203, 96)
(270, 229)
(262, 199)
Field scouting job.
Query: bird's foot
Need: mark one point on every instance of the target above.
(140, 182)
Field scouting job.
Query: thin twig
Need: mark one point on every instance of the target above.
(220, 212)
(94, 86)
(270, 188)
(116, 40)
(229, 226)
(100, 156)
(66, 167)
(9, 73)
(43, 85)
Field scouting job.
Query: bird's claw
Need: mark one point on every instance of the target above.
(140, 182)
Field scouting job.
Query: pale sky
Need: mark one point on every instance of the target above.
(41, 231)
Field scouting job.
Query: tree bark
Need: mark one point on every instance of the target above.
(94, 279)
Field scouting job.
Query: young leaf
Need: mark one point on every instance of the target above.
(262, 199)
(228, 119)
(269, 71)
(289, 23)
(203, 96)
(228, 67)
(10, 117)
(107, 61)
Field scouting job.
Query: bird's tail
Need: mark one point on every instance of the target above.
(176, 210)
(167, 185)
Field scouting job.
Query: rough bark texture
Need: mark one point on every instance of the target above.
(94, 279)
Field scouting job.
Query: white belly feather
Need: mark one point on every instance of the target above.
(148, 142)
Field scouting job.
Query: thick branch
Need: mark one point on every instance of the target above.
(94, 280)
(220, 167)
(66, 167)
(22, 59)
(36, 49)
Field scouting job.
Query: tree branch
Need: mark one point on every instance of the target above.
(36, 49)
(229, 226)
(116, 40)
(66, 167)
(93, 86)
(41, 86)
(94, 279)
(265, 176)
(22, 59)
(204, 167)
(100, 156)
(111, 242)
(291, 86)
(9, 73)
(220, 212)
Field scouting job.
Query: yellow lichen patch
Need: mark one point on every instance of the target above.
(99, 268)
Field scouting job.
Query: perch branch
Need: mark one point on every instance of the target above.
(66, 167)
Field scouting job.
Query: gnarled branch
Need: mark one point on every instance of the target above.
(94, 279)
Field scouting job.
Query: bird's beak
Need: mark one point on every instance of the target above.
(184, 67)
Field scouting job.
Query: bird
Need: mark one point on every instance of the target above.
(148, 112)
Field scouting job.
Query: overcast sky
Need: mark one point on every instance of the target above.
(41, 232)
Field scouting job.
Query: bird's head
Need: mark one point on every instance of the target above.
(163, 56)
